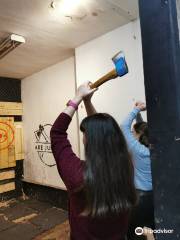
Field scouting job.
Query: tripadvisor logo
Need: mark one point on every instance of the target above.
(43, 145)
(140, 231)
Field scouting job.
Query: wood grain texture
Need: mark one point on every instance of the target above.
(7, 187)
(7, 175)
(7, 143)
(11, 108)
(19, 141)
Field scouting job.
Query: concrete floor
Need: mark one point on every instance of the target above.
(31, 219)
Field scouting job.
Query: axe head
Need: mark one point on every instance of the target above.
(120, 64)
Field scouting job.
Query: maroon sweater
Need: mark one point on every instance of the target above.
(71, 169)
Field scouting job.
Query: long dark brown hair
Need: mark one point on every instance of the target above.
(109, 175)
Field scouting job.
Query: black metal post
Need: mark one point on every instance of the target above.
(161, 56)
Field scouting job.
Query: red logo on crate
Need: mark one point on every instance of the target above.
(6, 135)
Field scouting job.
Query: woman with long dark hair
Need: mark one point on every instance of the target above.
(101, 189)
(137, 138)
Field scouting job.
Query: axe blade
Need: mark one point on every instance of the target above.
(120, 64)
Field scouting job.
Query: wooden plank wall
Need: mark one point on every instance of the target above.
(19, 141)
(11, 108)
(8, 174)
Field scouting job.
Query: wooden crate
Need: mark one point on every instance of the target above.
(7, 142)
(11, 108)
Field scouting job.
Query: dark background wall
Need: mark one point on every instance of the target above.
(10, 90)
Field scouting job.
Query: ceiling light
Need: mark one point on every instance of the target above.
(67, 7)
(10, 43)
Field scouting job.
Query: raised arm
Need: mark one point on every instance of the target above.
(90, 109)
(127, 123)
(126, 128)
(70, 167)
(139, 118)
(68, 164)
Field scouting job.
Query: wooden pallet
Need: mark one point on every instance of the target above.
(11, 144)
(11, 109)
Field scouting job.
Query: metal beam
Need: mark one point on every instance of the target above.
(161, 57)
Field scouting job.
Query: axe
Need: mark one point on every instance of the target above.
(120, 70)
